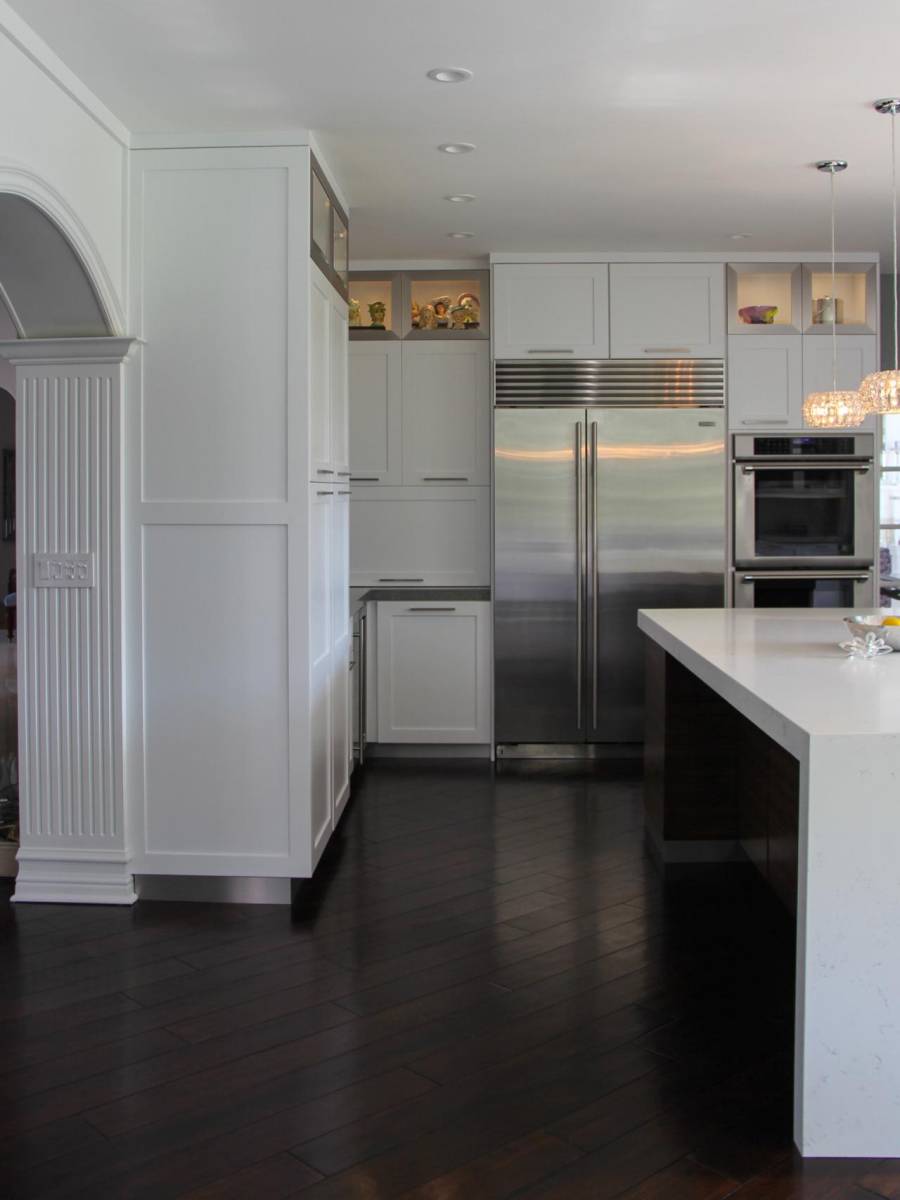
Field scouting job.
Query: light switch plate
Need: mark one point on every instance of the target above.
(64, 570)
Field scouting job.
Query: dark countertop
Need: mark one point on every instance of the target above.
(362, 595)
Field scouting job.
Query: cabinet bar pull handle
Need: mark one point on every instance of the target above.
(399, 579)
(324, 471)
(445, 478)
(345, 492)
(553, 350)
(766, 421)
(343, 474)
(667, 349)
(779, 575)
(324, 493)
(431, 610)
(364, 478)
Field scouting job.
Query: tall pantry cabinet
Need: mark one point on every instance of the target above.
(236, 532)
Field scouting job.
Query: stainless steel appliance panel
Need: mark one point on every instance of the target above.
(539, 579)
(657, 535)
(804, 589)
(804, 501)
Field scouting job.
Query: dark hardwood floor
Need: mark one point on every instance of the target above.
(488, 992)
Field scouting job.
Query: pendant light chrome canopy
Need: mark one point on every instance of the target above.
(834, 409)
(880, 392)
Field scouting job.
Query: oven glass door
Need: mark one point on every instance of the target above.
(815, 512)
(803, 589)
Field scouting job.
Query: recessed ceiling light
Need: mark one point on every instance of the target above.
(456, 147)
(739, 237)
(460, 198)
(449, 74)
(460, 235)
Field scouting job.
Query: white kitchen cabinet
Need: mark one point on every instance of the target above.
(233, 720)
(856, 358)
(446, 413)
(339, 399)
(376, 413)
(434, 672)
(765, 382)
(341, 637)
(421, 535)
(328, 390)
(667, 310)
(321, 602)
(551, 310)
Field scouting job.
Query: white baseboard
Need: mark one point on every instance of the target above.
(73, 877)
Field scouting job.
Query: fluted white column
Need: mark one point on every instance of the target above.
(74, 832)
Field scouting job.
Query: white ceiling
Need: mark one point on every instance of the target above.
(600, 124)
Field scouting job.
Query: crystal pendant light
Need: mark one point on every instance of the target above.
(834, 409)
(881, 392)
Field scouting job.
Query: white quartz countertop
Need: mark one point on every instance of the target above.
(783, 670)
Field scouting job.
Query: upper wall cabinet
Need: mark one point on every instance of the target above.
(376, 406)
(551, 310)
(667, 310)
(446, 413)
(329, 234)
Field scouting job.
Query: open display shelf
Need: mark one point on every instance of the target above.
(421, 305)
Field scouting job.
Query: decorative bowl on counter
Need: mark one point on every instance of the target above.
(758, 314)
(860, 625)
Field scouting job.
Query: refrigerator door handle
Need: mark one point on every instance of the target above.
(595, 606)
(579, 566)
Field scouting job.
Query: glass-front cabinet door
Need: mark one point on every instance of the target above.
(329, 235)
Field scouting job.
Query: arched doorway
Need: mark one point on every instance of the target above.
(69, 381)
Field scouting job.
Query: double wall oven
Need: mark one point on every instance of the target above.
(804, 520)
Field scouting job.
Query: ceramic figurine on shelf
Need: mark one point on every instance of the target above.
(353, 315)
(415, 315)
(377, 314)
(470, 302)
(441, 305)
(458, 315)
(427, 318)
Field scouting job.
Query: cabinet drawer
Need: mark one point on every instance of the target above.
(434, 672)
(421, 535)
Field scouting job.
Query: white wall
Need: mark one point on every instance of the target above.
(48, 130)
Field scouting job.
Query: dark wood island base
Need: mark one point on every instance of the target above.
(716, 788)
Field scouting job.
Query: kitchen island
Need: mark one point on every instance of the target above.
(765, 742)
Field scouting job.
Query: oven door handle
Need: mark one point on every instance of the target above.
(850, 576)
(750, 468)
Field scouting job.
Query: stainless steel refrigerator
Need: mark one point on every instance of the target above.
(609, 496)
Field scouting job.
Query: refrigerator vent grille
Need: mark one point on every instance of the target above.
(631, 381)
